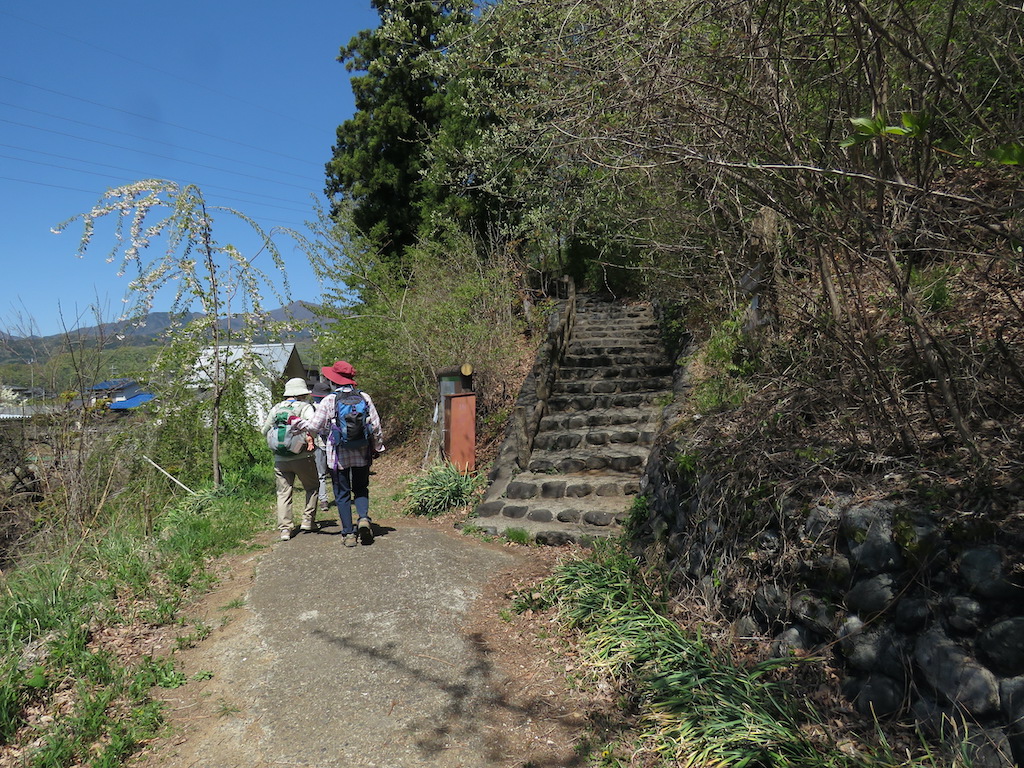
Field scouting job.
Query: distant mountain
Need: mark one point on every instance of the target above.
(156, 323)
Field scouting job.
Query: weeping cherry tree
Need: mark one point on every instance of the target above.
(192, 267)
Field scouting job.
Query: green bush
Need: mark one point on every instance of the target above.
(448, 305)
(441, 489)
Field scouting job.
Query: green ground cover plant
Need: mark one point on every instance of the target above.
(442, 488)
(64, 687)
(687, 703)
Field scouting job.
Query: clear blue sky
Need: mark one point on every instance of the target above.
(239, 98)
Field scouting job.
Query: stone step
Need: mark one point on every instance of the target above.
(612, 312)
(617, 312)
(598, 306)
(611, 386)
(617, 327)
(624, 372)
(568, 403)
(575, 519)
(587, 438)
(613, 361)
(615, 457)
(579, 485)
(616, 417)
(616, 337)
(582, 349)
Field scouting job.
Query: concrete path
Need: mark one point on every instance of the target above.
(348, 657)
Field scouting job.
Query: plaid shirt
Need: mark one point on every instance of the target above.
(342, 458)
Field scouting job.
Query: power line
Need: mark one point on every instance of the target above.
(66, 188)
(162, 157)
(52, 186)
(202, 186)
(134, 171)
(155, 120)
(144, 138)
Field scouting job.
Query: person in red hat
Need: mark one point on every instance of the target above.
(348, 465)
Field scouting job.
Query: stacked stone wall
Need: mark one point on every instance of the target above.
(925, 618)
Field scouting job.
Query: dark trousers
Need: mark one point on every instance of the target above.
(351, 486)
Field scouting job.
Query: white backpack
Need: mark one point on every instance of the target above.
(280, 442)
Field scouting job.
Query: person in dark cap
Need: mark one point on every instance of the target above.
(322, 389)
(348, 466)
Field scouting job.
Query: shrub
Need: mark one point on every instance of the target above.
(441, 489)
(446, 306)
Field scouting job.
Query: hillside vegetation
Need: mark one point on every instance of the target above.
(823, 198)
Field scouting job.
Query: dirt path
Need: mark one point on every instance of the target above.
(401, 653)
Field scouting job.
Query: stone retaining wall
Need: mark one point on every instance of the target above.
(531, 404)
(926, 619)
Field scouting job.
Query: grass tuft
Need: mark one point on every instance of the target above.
(443, 488)
(517, 536)
(694, 705)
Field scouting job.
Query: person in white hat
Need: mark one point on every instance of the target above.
(289, 466)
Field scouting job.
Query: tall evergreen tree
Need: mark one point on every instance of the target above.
(380, 152)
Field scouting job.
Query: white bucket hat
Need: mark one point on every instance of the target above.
(295, 388)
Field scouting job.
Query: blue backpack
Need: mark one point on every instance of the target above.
(349, 429)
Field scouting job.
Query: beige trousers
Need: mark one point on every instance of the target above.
(285, 473)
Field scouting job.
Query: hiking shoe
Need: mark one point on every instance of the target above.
(308, 524)
(365, 530)
(286, 535)
(349, 539)
(324, 506)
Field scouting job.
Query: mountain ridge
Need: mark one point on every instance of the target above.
(154, 324)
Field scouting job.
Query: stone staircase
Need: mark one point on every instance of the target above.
(596, 427)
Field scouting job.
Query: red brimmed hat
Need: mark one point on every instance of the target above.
(340, 373)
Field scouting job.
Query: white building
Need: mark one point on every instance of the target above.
(268, 367)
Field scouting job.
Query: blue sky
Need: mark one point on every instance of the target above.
(239, 98)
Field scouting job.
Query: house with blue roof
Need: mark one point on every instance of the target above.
(123, 394)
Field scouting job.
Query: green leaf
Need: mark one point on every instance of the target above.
(867, 126)
(1011, 153)
(37, 678)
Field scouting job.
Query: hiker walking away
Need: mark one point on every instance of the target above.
(322, 389)
(351, 424)
(293, 456)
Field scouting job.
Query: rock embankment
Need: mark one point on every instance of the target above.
(925, 620)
